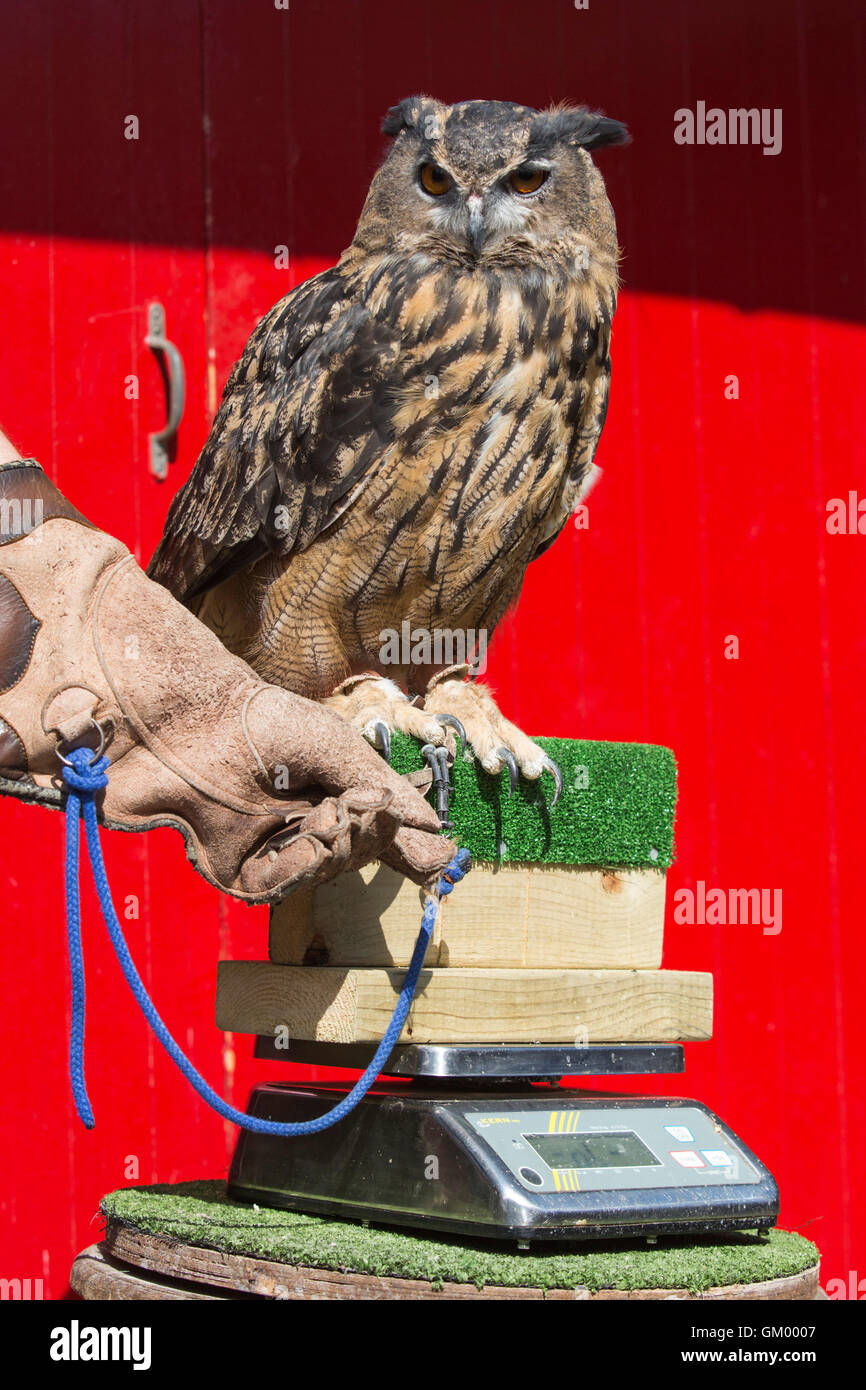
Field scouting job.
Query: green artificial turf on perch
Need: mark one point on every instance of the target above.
(200, 1213)
(617, 805)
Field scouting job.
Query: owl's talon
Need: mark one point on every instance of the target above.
(379, 735)
(510, 762)
(453, 723)
(437, 759)
(548, 765)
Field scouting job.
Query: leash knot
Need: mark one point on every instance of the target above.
(84, 773)
(455, 871)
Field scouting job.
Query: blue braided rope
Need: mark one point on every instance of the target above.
(76, 963)
(84, 778)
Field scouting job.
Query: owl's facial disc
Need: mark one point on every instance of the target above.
(478, 215)
(487, 184)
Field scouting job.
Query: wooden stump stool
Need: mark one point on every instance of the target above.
(189, 1241)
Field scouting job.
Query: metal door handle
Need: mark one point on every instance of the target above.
(174, 374)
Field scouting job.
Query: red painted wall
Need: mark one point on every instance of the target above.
(259, 128)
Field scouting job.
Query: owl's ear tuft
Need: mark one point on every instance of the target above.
(603, 130)
(577, 125)
(408, 114)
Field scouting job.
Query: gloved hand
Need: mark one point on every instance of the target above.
(269, 790)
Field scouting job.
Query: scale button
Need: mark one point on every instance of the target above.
(530, 1175)
(680, 1133)
(718, 1158)
(687, 1158)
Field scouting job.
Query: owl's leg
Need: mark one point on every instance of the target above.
(375, 706)
(496, 742)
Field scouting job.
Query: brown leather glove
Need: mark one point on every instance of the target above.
(269, 790)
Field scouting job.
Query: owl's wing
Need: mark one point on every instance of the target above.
(302, 424)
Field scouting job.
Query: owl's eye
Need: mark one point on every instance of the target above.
(434, 180)
(527, 180)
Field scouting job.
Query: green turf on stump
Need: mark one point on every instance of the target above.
(617, 805)
(200, 1213)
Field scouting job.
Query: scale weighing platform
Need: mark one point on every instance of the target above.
(483, 1141)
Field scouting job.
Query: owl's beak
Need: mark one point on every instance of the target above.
(477, 228)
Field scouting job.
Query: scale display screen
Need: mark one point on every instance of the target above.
(617, 1150)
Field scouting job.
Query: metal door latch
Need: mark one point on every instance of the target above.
(172, 369)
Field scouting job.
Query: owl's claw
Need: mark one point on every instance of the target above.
(548, 765)
(379, 735)
(437, 759)
(453, 723)
(508, 758)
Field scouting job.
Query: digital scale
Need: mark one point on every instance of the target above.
(484, 1141)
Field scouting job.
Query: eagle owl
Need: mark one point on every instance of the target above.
(405, 432)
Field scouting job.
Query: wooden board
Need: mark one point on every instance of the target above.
(98, 1278)
(529, 916)
(97, 1274)
(333, 1004)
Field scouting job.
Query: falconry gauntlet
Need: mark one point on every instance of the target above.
(269, 790)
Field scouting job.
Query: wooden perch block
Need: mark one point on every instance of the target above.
(330, 1004)
(525, 916)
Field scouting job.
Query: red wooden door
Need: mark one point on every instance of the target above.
(95, 226)
(258, 129)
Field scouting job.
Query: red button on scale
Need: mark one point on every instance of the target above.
(687, 1158)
